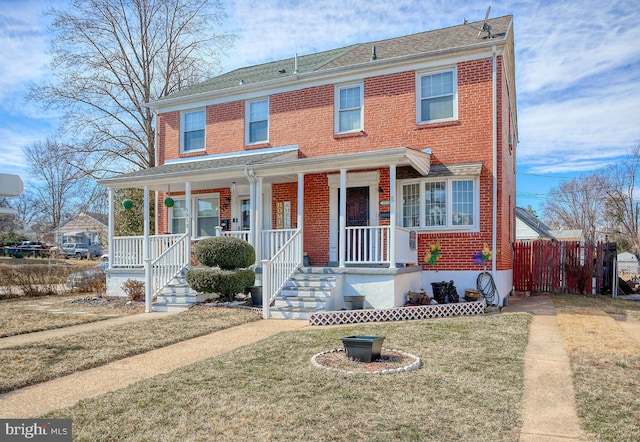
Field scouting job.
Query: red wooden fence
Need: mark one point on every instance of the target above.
(564, 267)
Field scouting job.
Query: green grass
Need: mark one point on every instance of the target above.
(469, 388)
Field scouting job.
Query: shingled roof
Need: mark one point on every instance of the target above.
(439, 40)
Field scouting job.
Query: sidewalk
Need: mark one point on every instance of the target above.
(549, 408)
(68, 390)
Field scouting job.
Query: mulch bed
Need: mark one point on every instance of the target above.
(390, 361)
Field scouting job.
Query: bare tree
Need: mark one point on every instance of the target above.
(111, 57)
(576, 204)
(57, 185)
(617, 184)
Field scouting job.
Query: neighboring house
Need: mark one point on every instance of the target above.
(86, 227)
(530, 228)
(364, 158)
(570, 235)
(628, 263)
(10, 185)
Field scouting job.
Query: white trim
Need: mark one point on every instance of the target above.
(247, 120)
(355, 179)
(191, 220)
(182, 127)
(419, 98)
(336, 107)
(449, 227)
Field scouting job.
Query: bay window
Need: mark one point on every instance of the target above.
(441, 203)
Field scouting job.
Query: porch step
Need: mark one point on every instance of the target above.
(177, 296)
(307, 293)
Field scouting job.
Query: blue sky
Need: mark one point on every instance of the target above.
(577, 69)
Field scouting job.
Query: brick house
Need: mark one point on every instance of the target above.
(354, 162)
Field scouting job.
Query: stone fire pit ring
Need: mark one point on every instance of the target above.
(415, 363)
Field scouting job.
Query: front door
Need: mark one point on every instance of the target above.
(357, 215)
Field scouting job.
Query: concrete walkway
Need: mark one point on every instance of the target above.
(548, 413)
(66, 391)
(549, 407)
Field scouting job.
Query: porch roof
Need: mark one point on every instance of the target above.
(274, 165)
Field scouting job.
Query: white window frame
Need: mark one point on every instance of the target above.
(247, 119)
(449, 226)
(183, 148)
(194, 209)
(337, 109)
(419, 98)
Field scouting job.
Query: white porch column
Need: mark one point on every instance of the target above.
(342, 241)
(189, 220)
(259, 213)
(148, 288)
(392, 215)
(111, 225)
(252, 214)
(300, 221)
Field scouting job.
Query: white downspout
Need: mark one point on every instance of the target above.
(494, 217)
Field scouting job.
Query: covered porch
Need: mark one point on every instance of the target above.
(337, 211)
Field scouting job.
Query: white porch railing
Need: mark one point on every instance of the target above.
(274, 240)
(162, 269)
(277, 270)
(242, 234)
(367, 244)
(371, 245)
(127, 250)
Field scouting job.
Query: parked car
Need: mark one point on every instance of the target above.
(79, 251)
(84, 280)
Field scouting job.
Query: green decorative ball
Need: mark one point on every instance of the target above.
(168, 202)
(127, 204)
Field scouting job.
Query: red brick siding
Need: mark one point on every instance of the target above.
(306, 118)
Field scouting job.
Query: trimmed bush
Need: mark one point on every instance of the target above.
(226, 252)
(227, 283)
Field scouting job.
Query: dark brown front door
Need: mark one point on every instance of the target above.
(357, 206)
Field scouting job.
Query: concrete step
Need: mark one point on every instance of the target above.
(293, 313)
(310, 292)
(299, 302)
(170, 306)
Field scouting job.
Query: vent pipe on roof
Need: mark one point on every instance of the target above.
(373, 53)
(295, 65)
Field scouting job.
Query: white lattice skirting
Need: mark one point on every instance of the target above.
(398, 313)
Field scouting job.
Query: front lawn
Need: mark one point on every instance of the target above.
(470, 388)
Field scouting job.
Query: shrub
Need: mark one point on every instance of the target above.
(134, 289)
(227, 283)
(226, 252)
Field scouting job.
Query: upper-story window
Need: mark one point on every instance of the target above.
(437, 96)
(441, 204)
(257, 121)
(348, 106)
(192, 133)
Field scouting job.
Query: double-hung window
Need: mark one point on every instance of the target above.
(447, 203)
(437, 96)
(207, 215)
(348, 106)
(192, 134)
(257, 121)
